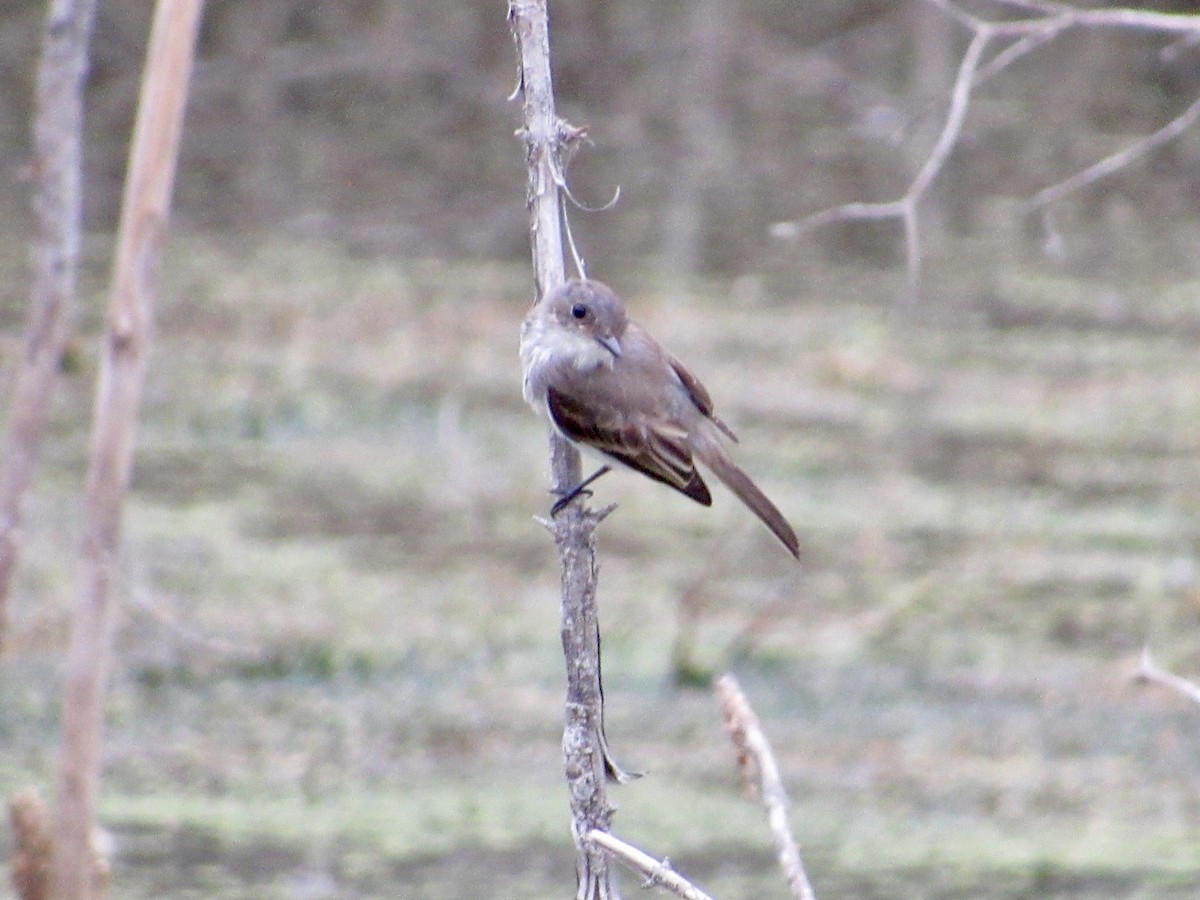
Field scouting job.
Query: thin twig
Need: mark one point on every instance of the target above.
(1046, 22)
(1150, 673)
(1144, 19)
(1116, 161)
(906, 207)
(761, 773)
(1022, 46)
(960, 98)
(658, 872)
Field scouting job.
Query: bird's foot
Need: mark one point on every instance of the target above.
(565, 497)
(580, 489)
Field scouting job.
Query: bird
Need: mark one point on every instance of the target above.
(606, 385)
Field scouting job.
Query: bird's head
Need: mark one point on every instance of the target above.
(591, 309)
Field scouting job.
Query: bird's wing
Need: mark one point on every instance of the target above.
(657, 450)
(699, 395)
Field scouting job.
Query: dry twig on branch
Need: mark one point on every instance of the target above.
(145, 206)
(761, 774)
(547, 139)
(658, 872)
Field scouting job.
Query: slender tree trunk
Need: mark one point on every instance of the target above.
(145, 205)
(703, 138)
(584, 752)
(57, 143)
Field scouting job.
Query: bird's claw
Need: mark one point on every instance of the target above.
(562, 502)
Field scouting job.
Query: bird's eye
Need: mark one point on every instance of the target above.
(579, 311)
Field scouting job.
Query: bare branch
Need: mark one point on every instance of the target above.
(1144, 19)
(890, 209)
(960, 98)
(1150, 673)
(761, 774)
(145, 602)
(658, 873)
(905, 208)
(1022, 46)
(1048, 20)
(1116, 161)
(576, 257)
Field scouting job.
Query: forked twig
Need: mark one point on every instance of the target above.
(1115, 161)
(906, 207)
(1047, 20)
(761, 773)
(658, 872)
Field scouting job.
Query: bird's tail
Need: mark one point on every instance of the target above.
(747, 491)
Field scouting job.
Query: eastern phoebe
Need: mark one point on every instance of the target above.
(605, 384)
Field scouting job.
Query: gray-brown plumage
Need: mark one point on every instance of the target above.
(604, 383)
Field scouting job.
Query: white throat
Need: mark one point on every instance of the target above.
(546, 347)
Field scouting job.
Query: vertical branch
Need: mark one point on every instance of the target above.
(529, 20)
(584, 753)
(57, 141)
(144, 210)
(30, 823)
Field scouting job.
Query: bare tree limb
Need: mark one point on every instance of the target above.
(1047, 21)
(57, 150)
(1116, 161)
(1150, 673)
(1127, 17)
(585, 755)
(144, 212)
(658, 872)
(906, 207)
(761, 774)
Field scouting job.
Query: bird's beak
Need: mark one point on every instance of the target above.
(611, 344)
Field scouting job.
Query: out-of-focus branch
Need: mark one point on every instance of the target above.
(906, 207)
(1121, 17)
(761, 775)
(1150, 673)
(57, 150)
(1047, 20)
(1116, 161)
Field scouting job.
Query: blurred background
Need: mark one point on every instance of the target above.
(339, 671)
